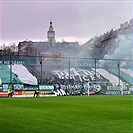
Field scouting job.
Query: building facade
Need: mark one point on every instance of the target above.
(49, 52)
(97, 46)
(108, 41)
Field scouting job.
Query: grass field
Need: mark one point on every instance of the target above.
(76, 114)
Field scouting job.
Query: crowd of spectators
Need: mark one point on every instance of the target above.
(70, 86)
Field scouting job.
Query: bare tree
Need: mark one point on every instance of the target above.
(9, 49)
(13, 47)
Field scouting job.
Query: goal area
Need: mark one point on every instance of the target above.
(108, 88)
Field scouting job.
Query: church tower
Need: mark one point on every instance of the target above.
(51, 35)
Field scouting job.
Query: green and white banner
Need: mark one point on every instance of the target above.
(16, 74)
(46, 87)
(18, 87)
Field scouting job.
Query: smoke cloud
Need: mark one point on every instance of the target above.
(124, 50)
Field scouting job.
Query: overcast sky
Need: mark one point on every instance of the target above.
(76, 20)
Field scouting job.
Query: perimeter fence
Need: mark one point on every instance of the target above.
(69, 71)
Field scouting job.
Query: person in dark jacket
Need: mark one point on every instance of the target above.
(36, 93)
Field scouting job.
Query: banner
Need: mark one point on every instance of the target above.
(112, 88)
(0, 87)
(46, 87)
(31, 88)
(18, 87)
(15, 94)
(115, 92)
(28, 93)
(3, 94)
(5, 87)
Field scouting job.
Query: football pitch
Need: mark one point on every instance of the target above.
(70, 114)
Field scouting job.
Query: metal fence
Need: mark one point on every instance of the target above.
(66, 70)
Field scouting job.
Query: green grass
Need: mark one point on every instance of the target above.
(77, 114)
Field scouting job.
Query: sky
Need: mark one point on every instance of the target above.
(73, 20)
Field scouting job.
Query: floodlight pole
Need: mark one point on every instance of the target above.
(41, 70)
(95, 71)
(69, 70)
(10, 72)
(88, 89)
(118, 73)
